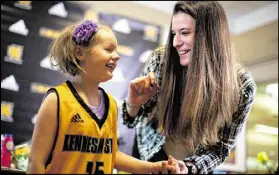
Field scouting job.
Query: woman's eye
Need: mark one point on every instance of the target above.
(185, 33)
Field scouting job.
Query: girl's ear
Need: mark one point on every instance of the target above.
(79, 53)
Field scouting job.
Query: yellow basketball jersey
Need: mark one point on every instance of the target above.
(83, 144)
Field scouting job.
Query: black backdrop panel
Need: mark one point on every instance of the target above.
(35, 46)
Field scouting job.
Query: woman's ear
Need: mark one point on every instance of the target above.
(79, 53)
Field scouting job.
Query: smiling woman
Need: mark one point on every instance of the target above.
(183, 30)
(200, 96)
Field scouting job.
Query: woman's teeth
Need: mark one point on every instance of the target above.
(182, 52)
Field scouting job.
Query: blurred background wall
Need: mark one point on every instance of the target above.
(254, 29)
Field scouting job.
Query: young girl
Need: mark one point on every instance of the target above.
(76, 128)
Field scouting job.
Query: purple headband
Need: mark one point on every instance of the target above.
(84, 31)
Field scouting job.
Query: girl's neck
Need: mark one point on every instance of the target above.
(88, 90)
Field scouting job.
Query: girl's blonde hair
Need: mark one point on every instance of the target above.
(62, 49)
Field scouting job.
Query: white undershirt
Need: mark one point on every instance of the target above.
(100, 110)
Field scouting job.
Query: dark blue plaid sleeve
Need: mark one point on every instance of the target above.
(153, 64)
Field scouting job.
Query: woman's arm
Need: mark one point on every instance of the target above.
(207, 160)
(130, 112)
(43, 135)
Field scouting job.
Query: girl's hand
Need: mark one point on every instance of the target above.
(179, 166)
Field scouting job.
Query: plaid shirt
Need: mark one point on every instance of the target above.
(150, 141)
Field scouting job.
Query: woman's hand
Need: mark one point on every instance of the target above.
(182, 167)
(141, 89)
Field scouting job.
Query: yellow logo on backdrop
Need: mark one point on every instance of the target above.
(39, 88)
(49, 33)
(125, 50)
(7, 109)
(91, 15)
(14, 54)
(150, 33)
(24, 4)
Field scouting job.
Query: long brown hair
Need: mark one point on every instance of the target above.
(199, 99)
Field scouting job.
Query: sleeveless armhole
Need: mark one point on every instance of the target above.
(57, 128)
(116, 121)
(116, 108)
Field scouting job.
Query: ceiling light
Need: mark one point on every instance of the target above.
(272, 90)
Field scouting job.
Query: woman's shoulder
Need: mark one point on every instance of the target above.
(247, 83)
(245, 75)
(158, 53)
(154, 61)
(160, 49)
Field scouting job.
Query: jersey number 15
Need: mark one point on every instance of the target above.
(90, 166)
